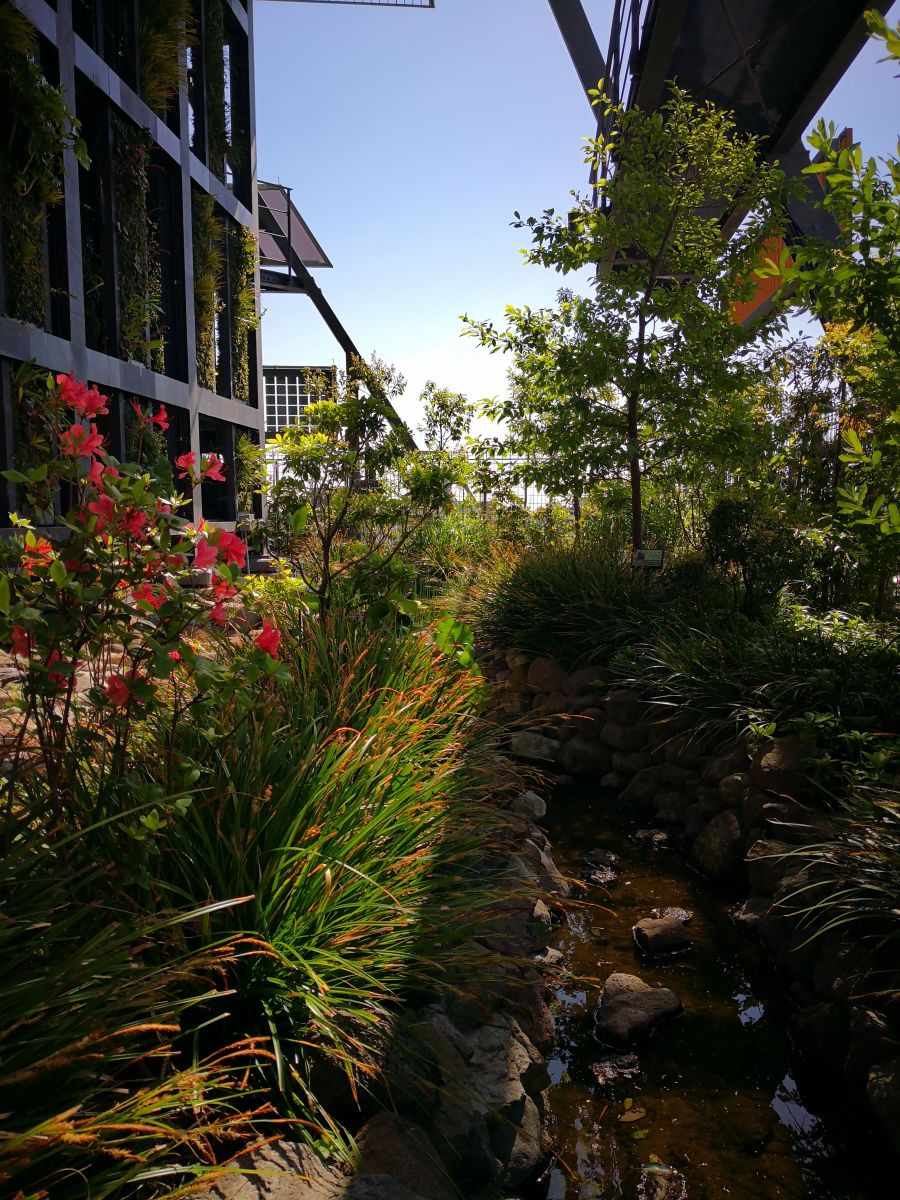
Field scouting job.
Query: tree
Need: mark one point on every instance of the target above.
(353, 491)
(447, 418)
(852, 284)
(659, 329)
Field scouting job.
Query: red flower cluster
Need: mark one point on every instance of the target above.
(268, 638)
(78, 441)
(211, 467)
(86, 401)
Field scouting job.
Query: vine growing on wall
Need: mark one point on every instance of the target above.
(166, 26)
(249, 471)
(214, 72)
(140, 279)
(242, 256)
(38, 127)
(207, 236)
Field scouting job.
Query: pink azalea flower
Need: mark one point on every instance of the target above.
(136, 522)
(161, 419)
(103, 508)
(268, 638)
(218, 614)
(154, 598)
(38, 556)
(86, 401)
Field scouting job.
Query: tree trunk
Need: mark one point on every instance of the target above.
(634, 451)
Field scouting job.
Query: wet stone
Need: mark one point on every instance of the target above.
(616, 1066)
(661, 936)
(659, 1182)
(629, 1009)
(601, 867)
(651, 839)
(679, 914)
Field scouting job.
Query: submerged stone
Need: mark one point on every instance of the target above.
(616, 1066)
(661, 935)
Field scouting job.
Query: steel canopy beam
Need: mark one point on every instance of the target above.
(581, 43)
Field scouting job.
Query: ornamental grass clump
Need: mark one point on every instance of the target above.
(350, 807)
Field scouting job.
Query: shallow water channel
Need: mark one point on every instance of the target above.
(717, 1087)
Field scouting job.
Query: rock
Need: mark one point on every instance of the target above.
(751, 912)
(555, 702)
(718, 850)
(582, 756)
(641, 790)
(624, 706)
(616, 1066)
(592, 722)
(651, 839)
(530, 805)
(519, 1146)
(612, 781)
(540, 914)
(684, 915)
(733, 789)
(390, 1146)
(601, 867)
(670, 807)
(515, 659)
(752, 809)
(661, 935)
(883, 1090)
(694, 820)
(766, 866)
(631, 761)
(623, 737)
(710, 800)
(630, 1009)
(291, 1171)
(870, 1043)
(683, 750)
(534, 746)
(781, 766)
(728, 762)
(583, 682)
(545, 675)
(549, 876)
(678, 777)
(793, 822)
(540, 1025)
(659, 1182)
(380, 1187)
(551, 957)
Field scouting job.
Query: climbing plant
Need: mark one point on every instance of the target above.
(166, 26)
(207, 233)
(242, 255)
(249, 471)
(38, 126)
(139, 277)
(214, 74)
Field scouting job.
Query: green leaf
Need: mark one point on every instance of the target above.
(58, 573)
(4, 593)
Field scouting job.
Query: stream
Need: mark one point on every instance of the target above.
(720, 1100)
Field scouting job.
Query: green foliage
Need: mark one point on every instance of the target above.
(166, 27)
(38, 129)
(208, 233)
(137, 245)
(849, 882)
(353, 493)
(242, 258)
(214, 77)
(743, 533)
(447, 420)
(250, 471)
(631, 369)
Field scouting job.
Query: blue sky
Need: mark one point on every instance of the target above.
(410, 137)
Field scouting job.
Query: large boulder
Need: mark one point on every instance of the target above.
(291, 1172)
(583, 682)
(533, 746)
(718, 850)
(781, 766)
(643, 787)
(545, 675)
(584, 756)
(729, 761)
(390, 1146)
(624, 706)
(623, 737)
(766, 866)
(531, 805)
(630, 1008)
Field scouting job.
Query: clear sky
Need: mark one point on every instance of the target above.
(410, 137)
